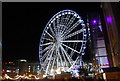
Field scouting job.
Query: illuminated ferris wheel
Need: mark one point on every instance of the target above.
(62, 42)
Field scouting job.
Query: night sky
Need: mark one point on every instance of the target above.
(23, 24)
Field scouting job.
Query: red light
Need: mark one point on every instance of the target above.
(3, 71)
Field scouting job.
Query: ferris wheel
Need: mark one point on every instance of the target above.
(62, 42)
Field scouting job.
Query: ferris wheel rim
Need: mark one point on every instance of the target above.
(51, 20)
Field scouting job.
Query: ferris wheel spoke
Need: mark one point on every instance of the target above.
(64, 57)
(58, 31)
(57, 58)
(62, 20)
(53, 33)
(49, 34)
(47, 54)
(54, 27)
(73, 34)
(60, 26)
(72, 27)
(53, 63)
(68, 57)
(70, 48)
(73, 63)
(71, 21)
(44, 64)
(72, 52)
(47, 39)
(60, 57)
(50, 59)
(47, 48)
(58, 21)
(65, 23)
(46, 44)
(67, 18)
(72, 41)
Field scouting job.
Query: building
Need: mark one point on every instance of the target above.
(111, 19)
(96, 45)
(105, 32)
(33, 67)
(25, 67)
(100, 55)
(9, 68)
(21, 66)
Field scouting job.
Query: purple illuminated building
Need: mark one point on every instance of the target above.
(109, 19)
(105, 29)
(100, 53)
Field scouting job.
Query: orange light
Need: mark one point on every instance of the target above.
(14, 71)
